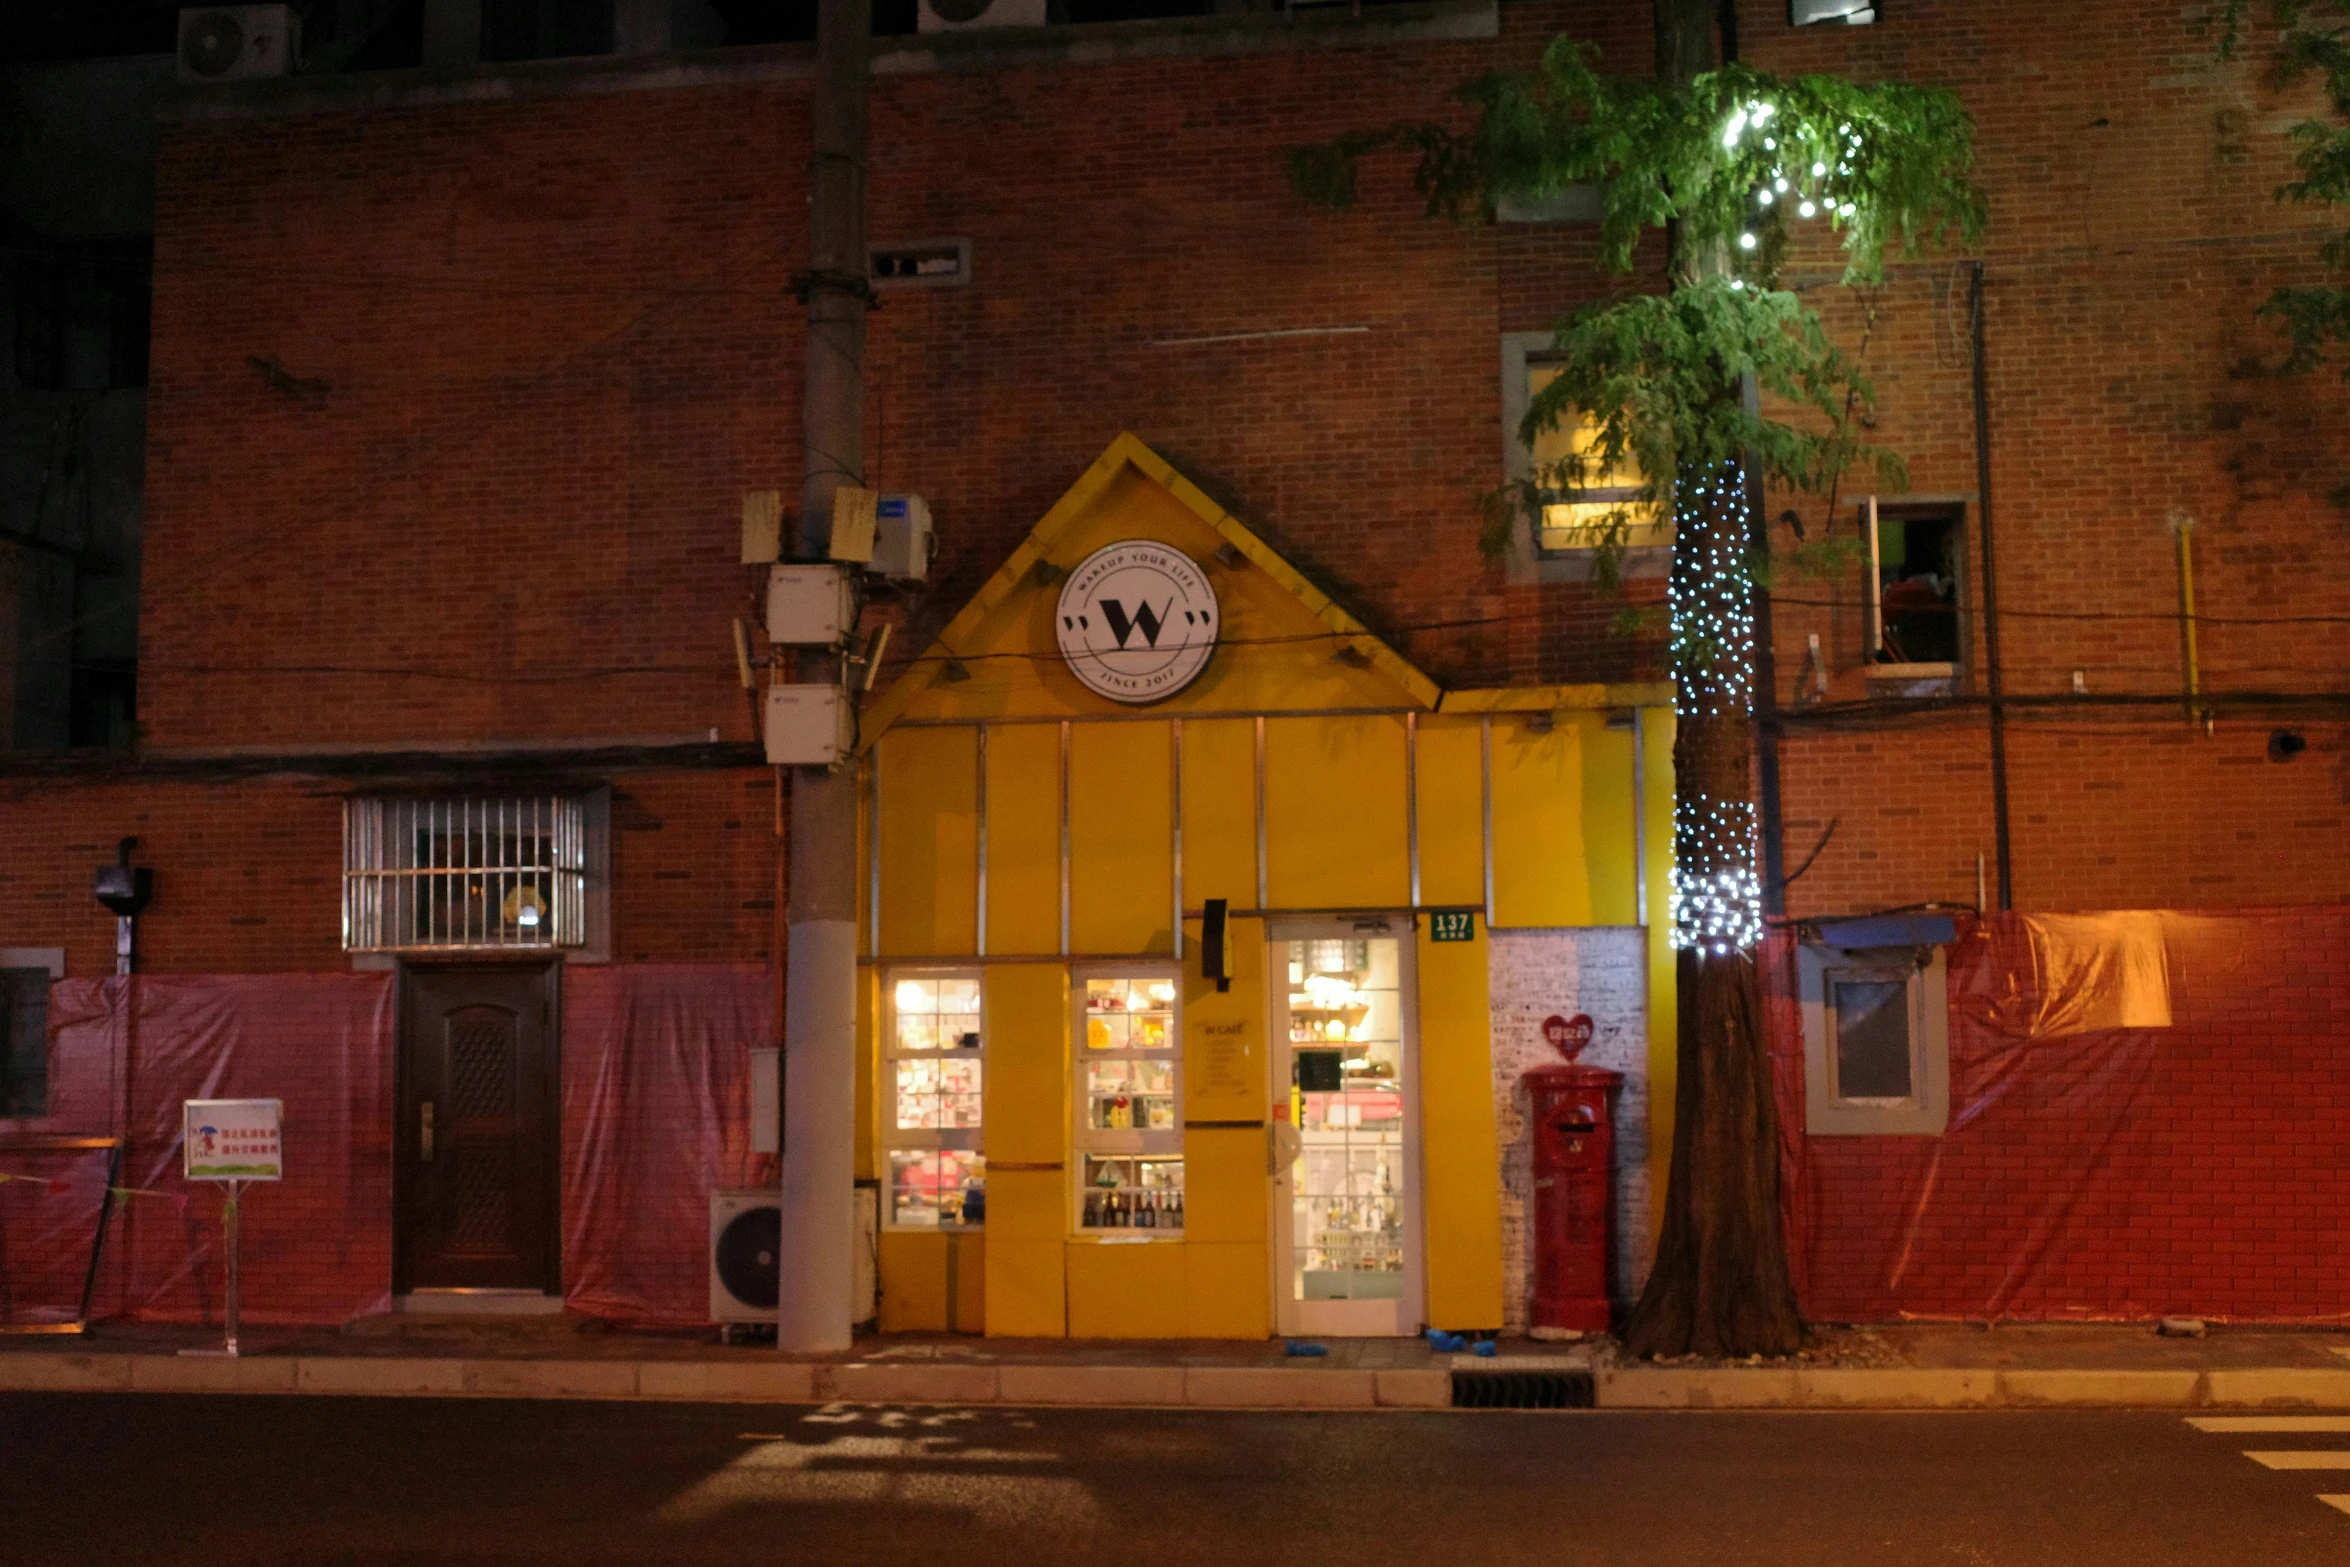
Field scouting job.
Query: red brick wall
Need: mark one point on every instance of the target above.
(248, 875)
(2197, 1169)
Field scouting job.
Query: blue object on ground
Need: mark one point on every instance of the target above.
(1446, 1343)
(1296, 1347)
(1485, 1347)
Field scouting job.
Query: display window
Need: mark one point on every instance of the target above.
(933, 1065)
(1128, 1048)
(1347, 1102)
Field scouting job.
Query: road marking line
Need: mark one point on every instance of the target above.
(2270, 1422)
(2340, 1502)
(2301, 1459)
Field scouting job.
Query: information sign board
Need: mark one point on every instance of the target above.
(232, 1140)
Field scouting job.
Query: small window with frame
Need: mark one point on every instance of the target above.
(1604, 504)
(1876, 1040)
(932, 1135)
(1128, 1045)
(26, 973)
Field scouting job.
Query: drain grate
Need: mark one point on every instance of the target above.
(1521, 1390)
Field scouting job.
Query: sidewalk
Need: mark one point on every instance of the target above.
(1906, 1366)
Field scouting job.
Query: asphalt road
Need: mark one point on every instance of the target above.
(399, 1483)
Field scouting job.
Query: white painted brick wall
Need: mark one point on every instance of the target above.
(1601, 971)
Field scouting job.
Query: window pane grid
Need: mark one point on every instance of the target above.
(1129, 1061)
(935, 1073)
(469, 874)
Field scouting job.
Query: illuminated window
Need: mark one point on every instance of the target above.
(1559, 543)
(1606, 501)
(1129, 1093)
(937, 1169)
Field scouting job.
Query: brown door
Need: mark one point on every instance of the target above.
(477, 1192)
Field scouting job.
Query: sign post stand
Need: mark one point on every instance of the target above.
(235, 1141)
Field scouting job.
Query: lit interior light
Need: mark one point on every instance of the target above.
(912, 996)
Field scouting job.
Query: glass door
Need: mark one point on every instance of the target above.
(1345, 1200)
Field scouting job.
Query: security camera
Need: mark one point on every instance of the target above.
(123, 890)
(2285, 744)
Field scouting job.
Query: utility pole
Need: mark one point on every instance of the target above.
(817, 1263)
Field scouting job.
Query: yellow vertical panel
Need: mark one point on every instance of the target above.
(1539, 875)
(1664, 1051)
(1225, 1072)
(967, 1282)
(913, 1268)
(1334, 813)
(1126, 1291)
(1121, 838)
(1220, 812)
(1024, 1092)
(1224, 1185)
(1460, 1151)
(1225, 1292)
(1607, 818)
(1027, 1286)
(1023, 839)
(1451, 787)
(869, 1097)
(929, 842)
(1025, 1109)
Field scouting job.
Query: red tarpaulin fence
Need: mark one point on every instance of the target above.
(655, 1113)
(2089, 1171)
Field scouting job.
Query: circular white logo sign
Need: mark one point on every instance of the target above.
(1137, 621)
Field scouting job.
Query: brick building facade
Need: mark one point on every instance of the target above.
(457, 379)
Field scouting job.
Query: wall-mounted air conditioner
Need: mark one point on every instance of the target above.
(746, 1245)
(227, 43)
(952, 16)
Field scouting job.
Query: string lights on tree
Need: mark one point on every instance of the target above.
(1716, 897)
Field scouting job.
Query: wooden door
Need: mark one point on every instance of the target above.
(477, 1191)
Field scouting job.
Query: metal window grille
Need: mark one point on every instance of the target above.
(463, 875)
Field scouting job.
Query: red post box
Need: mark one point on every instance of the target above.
(1574, 1194)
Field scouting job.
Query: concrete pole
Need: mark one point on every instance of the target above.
(820, 1009)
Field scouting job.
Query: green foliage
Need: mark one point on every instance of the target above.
(1892, 160)
(1728, 165)
(2314, 40)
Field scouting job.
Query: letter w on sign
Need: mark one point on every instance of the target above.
(1149, 621)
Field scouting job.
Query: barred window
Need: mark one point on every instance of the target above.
(464, 875)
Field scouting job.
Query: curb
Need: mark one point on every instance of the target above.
(707, 1381)
(1156, 1386)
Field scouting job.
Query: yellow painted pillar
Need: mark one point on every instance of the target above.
(1664, 1057)
(1025, 1107)
(1226, 1150)
(1460, 1152)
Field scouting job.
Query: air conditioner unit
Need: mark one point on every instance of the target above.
(955, 16)
(228, 43)
(746, 1243)
(903, 543)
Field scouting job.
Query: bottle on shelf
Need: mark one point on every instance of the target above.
(1093, 1210)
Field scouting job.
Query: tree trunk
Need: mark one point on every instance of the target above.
(1720, 1286)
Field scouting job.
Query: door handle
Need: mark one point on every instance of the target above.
(424, 1131)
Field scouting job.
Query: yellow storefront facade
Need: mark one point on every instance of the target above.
(1086, 1117)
